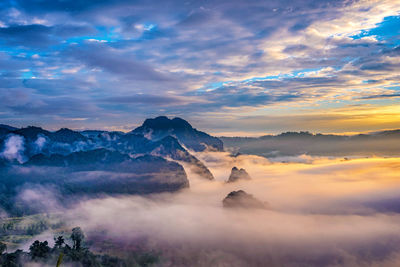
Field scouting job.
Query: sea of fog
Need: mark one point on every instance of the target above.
(323, 212)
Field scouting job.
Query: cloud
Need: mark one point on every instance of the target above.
(149, 100)
(112, 61)
(265, 54)
(381, 96)
(323, 211)
(40, 142)
(40, 36)
(14, 148)
(329, 198)
(33, 35)
(62, 106)
(37, 198)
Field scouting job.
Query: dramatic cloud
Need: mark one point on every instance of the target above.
(234, 58)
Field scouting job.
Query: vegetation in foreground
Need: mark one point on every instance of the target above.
(75, 254)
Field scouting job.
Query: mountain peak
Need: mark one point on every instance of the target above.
(31, 132)
(238, 174)
(164, 123)
(65, 135)
(160, 127)
(241, 199)
(179, 123)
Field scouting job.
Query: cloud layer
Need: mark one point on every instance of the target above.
(323, 212)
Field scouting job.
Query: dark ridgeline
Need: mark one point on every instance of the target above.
(145, 160)
(5, 129)
(383, 143)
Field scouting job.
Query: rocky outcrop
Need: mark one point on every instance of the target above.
(237, 175)
(241, 199)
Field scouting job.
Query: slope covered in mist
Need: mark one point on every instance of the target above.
(100, 162)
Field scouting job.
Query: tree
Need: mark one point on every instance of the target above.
(3, 247)
(59, 241)
(77, 237)
(39, 249)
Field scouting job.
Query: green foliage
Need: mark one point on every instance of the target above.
(39, 249)
(12, 259)
(59, 241)
(42, 254)
(77, 237)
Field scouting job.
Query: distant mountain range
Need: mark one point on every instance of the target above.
(383, 143)
(146, 160)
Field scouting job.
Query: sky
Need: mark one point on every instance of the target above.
(228, 67)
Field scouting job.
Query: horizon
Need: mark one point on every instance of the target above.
(226, 134)
(226, 66)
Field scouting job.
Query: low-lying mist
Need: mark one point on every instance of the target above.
(323, 211)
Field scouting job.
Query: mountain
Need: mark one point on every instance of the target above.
(384, 143)
(237, 175)
(81, 158)
(65, 135)
(7, 127)
(160, 127)
(167, 147)
(146, 160)
(115, 152)
(105, 160)
(92, 133)
(170, 147)
(31, 133)
(241, 199)
(39, 143)
(89, 173)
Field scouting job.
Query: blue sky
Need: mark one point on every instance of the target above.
(229, 67)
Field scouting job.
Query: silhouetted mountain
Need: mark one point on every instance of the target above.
(65, 135)
(92, 133)
(168, 147)
(31, 133)
(160, 127)
(94, 172)
(390, 133)
(54, 145)
(8, 127)
(240, 199)
(5, 129)
(237, 175)
(85, 158)
(384, 143)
